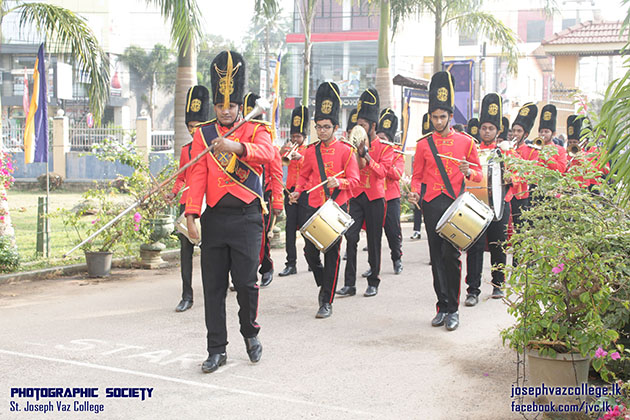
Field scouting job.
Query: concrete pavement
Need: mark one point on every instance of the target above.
(374, 358)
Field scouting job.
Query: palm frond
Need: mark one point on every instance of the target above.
(404, 9)
(184, 16)
(492, 28)
(67, 32)
(266, 8)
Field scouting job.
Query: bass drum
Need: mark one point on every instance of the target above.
(464, 221)
(491, 189)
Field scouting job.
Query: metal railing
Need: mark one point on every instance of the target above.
(13, 138)
(82, 138)
(162, 140)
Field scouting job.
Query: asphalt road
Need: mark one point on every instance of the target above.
(374, 358)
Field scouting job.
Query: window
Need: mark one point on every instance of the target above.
(535, 30)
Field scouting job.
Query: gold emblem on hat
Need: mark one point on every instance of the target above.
(297, 120)
(248, 109)
(442, 94)
(571, 131)
(493, 109)
(474, 131)
(387, 124)
(354, 117)
(547, 116)
(327, 106)
(524, 112)
(426, 125)
(223, 86)
(195, 105)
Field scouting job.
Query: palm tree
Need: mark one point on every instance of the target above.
(66, 32)
(383, 76)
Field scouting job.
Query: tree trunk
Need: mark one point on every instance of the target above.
(437, 52)
(186, 78)
(383, 77)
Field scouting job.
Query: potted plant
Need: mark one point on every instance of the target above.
(569, 264)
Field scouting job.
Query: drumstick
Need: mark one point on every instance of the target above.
(273, 224)
(323, 182)
(456, 160)
(282, 183)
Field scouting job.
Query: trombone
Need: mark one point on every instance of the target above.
(286, 157)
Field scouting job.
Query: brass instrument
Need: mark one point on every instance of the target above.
(537, 143)
(286, 159)
(573, 150)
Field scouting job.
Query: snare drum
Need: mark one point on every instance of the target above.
(182, 227)
(325, 227)
(466, 219)
(491, 189)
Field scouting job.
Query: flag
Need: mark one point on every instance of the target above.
(36, 130)
(406, 114)
(275, 107)
(25, 101)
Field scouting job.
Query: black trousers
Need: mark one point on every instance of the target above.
(296, 216)
(325, 275)
(186, 250)
(517, 207)
(372, 212)
(417, 219)
(445, 263)
(392, 228)
(266, 263)
(231, 245)
(495, 236)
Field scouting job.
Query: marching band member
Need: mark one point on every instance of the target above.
(352, 121)
(386, 131)
(230, 179)
(197, 111)
(322, 160)
(368, 202)
(295, 212)
(581, 156)
(472, 128)
(439, 179)
(523, 124)
(427, 128)
(490, 119)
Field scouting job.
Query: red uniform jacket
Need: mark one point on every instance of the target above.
(180, 182)
(337, 157)
(208, 178)
(372, 176)
(392, 180)
(295, 166)
(593, 169)
(557, 162)
(510, 192)
(425, 170)
(274, 183)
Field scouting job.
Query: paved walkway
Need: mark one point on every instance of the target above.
(374, 358)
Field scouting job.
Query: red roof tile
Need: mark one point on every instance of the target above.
(589, 32)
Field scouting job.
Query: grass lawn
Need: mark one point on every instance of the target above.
(23, 210)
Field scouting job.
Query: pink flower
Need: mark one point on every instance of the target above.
(137, 217)
(136, 227)
(615, 355)
(558, 269)
(600, 352)
(1, 218)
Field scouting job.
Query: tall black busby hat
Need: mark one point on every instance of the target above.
(352, 120)
(249, 102)
(227, 74)
(197, 104)
(574, 126)
(368, 105)
(548, 117)
(427, 125)
(327, 102)
(441, 92)
(491, 110)
(526, 117)
(504, 130)
(472, 128)
(299, 120)
(388, 124)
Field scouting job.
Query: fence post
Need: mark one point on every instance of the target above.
(143, 135)
(43, 228)
(60, 142)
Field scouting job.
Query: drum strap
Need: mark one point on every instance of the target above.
(440, 165)
(322, 172)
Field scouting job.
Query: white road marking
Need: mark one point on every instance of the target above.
(185, 382)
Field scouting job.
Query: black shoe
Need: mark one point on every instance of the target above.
(266, 279)
(497, 293)
(254, 349)
(398, 266)
(346, 291)
(367, 273)
(452, 321)
(184, 305)
(325, 310)
(438, 319)
(416, 235)
(371, 291)
(471, 300)
(288, 270)
(320, 298)
(213, 362)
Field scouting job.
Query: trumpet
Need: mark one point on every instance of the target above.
(537, 143)
(286, 159)
(573, 150)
